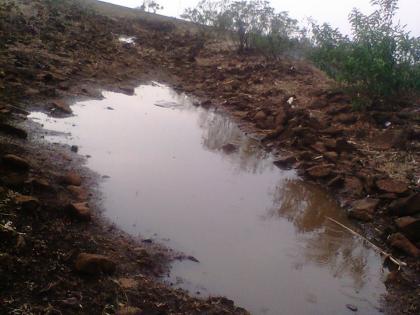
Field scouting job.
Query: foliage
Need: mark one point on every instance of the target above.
(254, 23)
(150, 6)
(379, 64)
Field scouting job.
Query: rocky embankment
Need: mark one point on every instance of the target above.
(58, 256)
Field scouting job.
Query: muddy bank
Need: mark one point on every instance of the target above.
(52, 54)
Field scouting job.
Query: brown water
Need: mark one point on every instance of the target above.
(260, 233)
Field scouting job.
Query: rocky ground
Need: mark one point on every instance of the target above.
(57, 255)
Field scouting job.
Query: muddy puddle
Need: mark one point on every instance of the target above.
(190, 178)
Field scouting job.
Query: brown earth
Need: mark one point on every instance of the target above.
(58, 255)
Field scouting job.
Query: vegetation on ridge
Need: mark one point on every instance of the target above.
(378, 64)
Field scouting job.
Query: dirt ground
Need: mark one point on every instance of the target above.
(59, 256)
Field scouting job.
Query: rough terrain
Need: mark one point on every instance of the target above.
(53, 54)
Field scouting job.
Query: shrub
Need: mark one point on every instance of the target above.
(254, 24)
(379, 64)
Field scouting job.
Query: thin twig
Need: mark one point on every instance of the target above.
(394, 260)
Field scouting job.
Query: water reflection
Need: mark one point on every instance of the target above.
(219, 130)
(323, 243)
(259, 232)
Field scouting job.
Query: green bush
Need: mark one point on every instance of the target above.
(254, 24)
(380, 63)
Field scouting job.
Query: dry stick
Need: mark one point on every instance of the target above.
(394, 260)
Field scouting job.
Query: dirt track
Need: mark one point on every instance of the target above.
(64, 53)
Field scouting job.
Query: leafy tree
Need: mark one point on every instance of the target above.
(150, 6)
(380, 64)
(210, 13)
(254, 23)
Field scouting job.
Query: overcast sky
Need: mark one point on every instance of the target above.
(334, 12)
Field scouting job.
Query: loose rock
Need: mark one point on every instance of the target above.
(285, 162)
(93, 264)
(401, 242)
(62, 106)
(319, 171)
(78, 192)
(16, 162)
(364, 209)
(229, 148)
(72, 178)
(392, 186)
(14, 131)
(409, 226)
(406, 206)
(130, 311)
(79, 211)
(27, 203)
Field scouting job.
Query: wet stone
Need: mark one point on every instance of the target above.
(367, 204)
(72, 178)
(319, 171)
(62, 106)
(343, 145)
(94, 264)
(402, 243)
(229, 148)
(331, 156)
(14, 131)
(130, 311)
(353, 185)
(285, 162)
(352, 307)
(361, 215)
(319, 147)
(363, 209)
(27, 203)
(79, 211)
(16, 162)
(392, 186)
(406, 206)
(336, 182)
(39, 184)
(260, 116)
(410, 226)
(78, 192)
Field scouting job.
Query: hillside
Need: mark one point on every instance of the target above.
(55, 53)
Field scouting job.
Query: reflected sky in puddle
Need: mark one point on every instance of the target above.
(259, 233)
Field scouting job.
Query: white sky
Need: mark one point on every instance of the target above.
(334, 12)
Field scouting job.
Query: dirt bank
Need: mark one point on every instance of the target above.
(52, 54)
